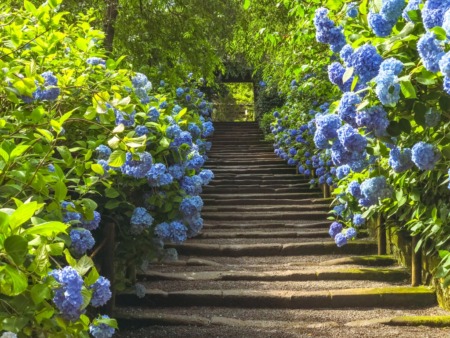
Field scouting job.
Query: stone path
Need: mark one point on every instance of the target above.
(265, 266)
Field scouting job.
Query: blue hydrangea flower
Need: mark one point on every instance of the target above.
(347, 107)
(354, 189)
(81, 241)
(335, 74)
(101, 330)
(195, 162)
(340, 240)
(153, 114)
(391, 10)
(430, 51)
(123, 118)
(379, 25)
(352, 10)
(447, 84)
(49, 91)
(101, 292)
(179, 92)
(342, 171)
(175, 231)
(425, 155)
(350, 233)
(184, 137)
(374, 119)
(67, 296)
(103, 152)
(206, 175)
(326, 32)
(433, 12)
(400, 160)
(140, 220)
(339, 209)
(358, 220)
(177, 171)
(137, 168)
(173, 131)
(387, 89)
(448, 179)
(51, 168)
(91, 224)
(157, 176)
(366, 62)
(351, 139)
(374, 189)
(194, 130)
(412, 5)
(94, 61)
(208, 129)
(346, 53)
(391, 65)
(335, 229)
(446, 23)
(141, 130)
(191, 206)
(328, 125)
(68, 215)
(140, 289)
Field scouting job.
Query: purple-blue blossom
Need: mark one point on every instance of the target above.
(191, 206)
(433, 12)
(351, 139)
(358, 220)
(81, 241)
(400, 160)
(327, 32)
(67, 296)
(354, 189)
(374, 189)
(140, 220)
(101, 330)
(174, 231)
(91, 224)
(412, 5)
(137, 167)
(430, 51)
(335, 228)
(101, 292)
(350, 233)
(340, 240)
(425, 155)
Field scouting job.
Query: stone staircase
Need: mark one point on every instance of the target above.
(265, 266)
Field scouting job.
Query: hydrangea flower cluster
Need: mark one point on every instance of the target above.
(347, 108)
(327, 32)
(388, 89)
(137, 168)
(383, 22)
(430, 51)
(412, 5)
(374, 189)
(67, 296)
(352, 10)
(400, 160)
(175, 231)
(101, 330)
(140, 220)
(433, 12)
(425, 155)
(191, 206)
(103, 152)
(101, 292)
(374, 120)
(141, 86)
(158, 176)
(49, 91)
(94, 61)
(366, 62)
(81, 241)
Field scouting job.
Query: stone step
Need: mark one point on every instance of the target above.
(277, 249)
(387, 297)
(287, 181)
(268, 207)
(244, 197)
(291, 215)
(266, 224)
(256, 189)
(371, 260)
(263, 234)
(369, 274)
(243, 162)
(262, 171)
(237, 201)
(247, 166)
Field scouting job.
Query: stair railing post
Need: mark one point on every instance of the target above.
(416, 263)
(107, 265)
(381, 236)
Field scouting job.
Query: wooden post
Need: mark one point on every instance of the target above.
(381, 230)
(416, 263)
(107, 267)
(326, 191)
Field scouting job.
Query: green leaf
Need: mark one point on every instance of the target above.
(47, 229)
(111, 193)
(19, 150)
(17, 248)
(408, 89)
(117, 159)
(22, 214)
(39, 293)
(420, 110)
(92, 277)
(12, 282)
(29, 7)
(405, 125)
(83, 265)
(60, 191)
(445, 152)
(246, 4)
(347, 75)
(98, 169)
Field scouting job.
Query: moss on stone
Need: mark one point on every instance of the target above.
(432, 321)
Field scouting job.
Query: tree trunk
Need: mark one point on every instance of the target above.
(110, 20)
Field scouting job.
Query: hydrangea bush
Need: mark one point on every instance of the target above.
(85, 143)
